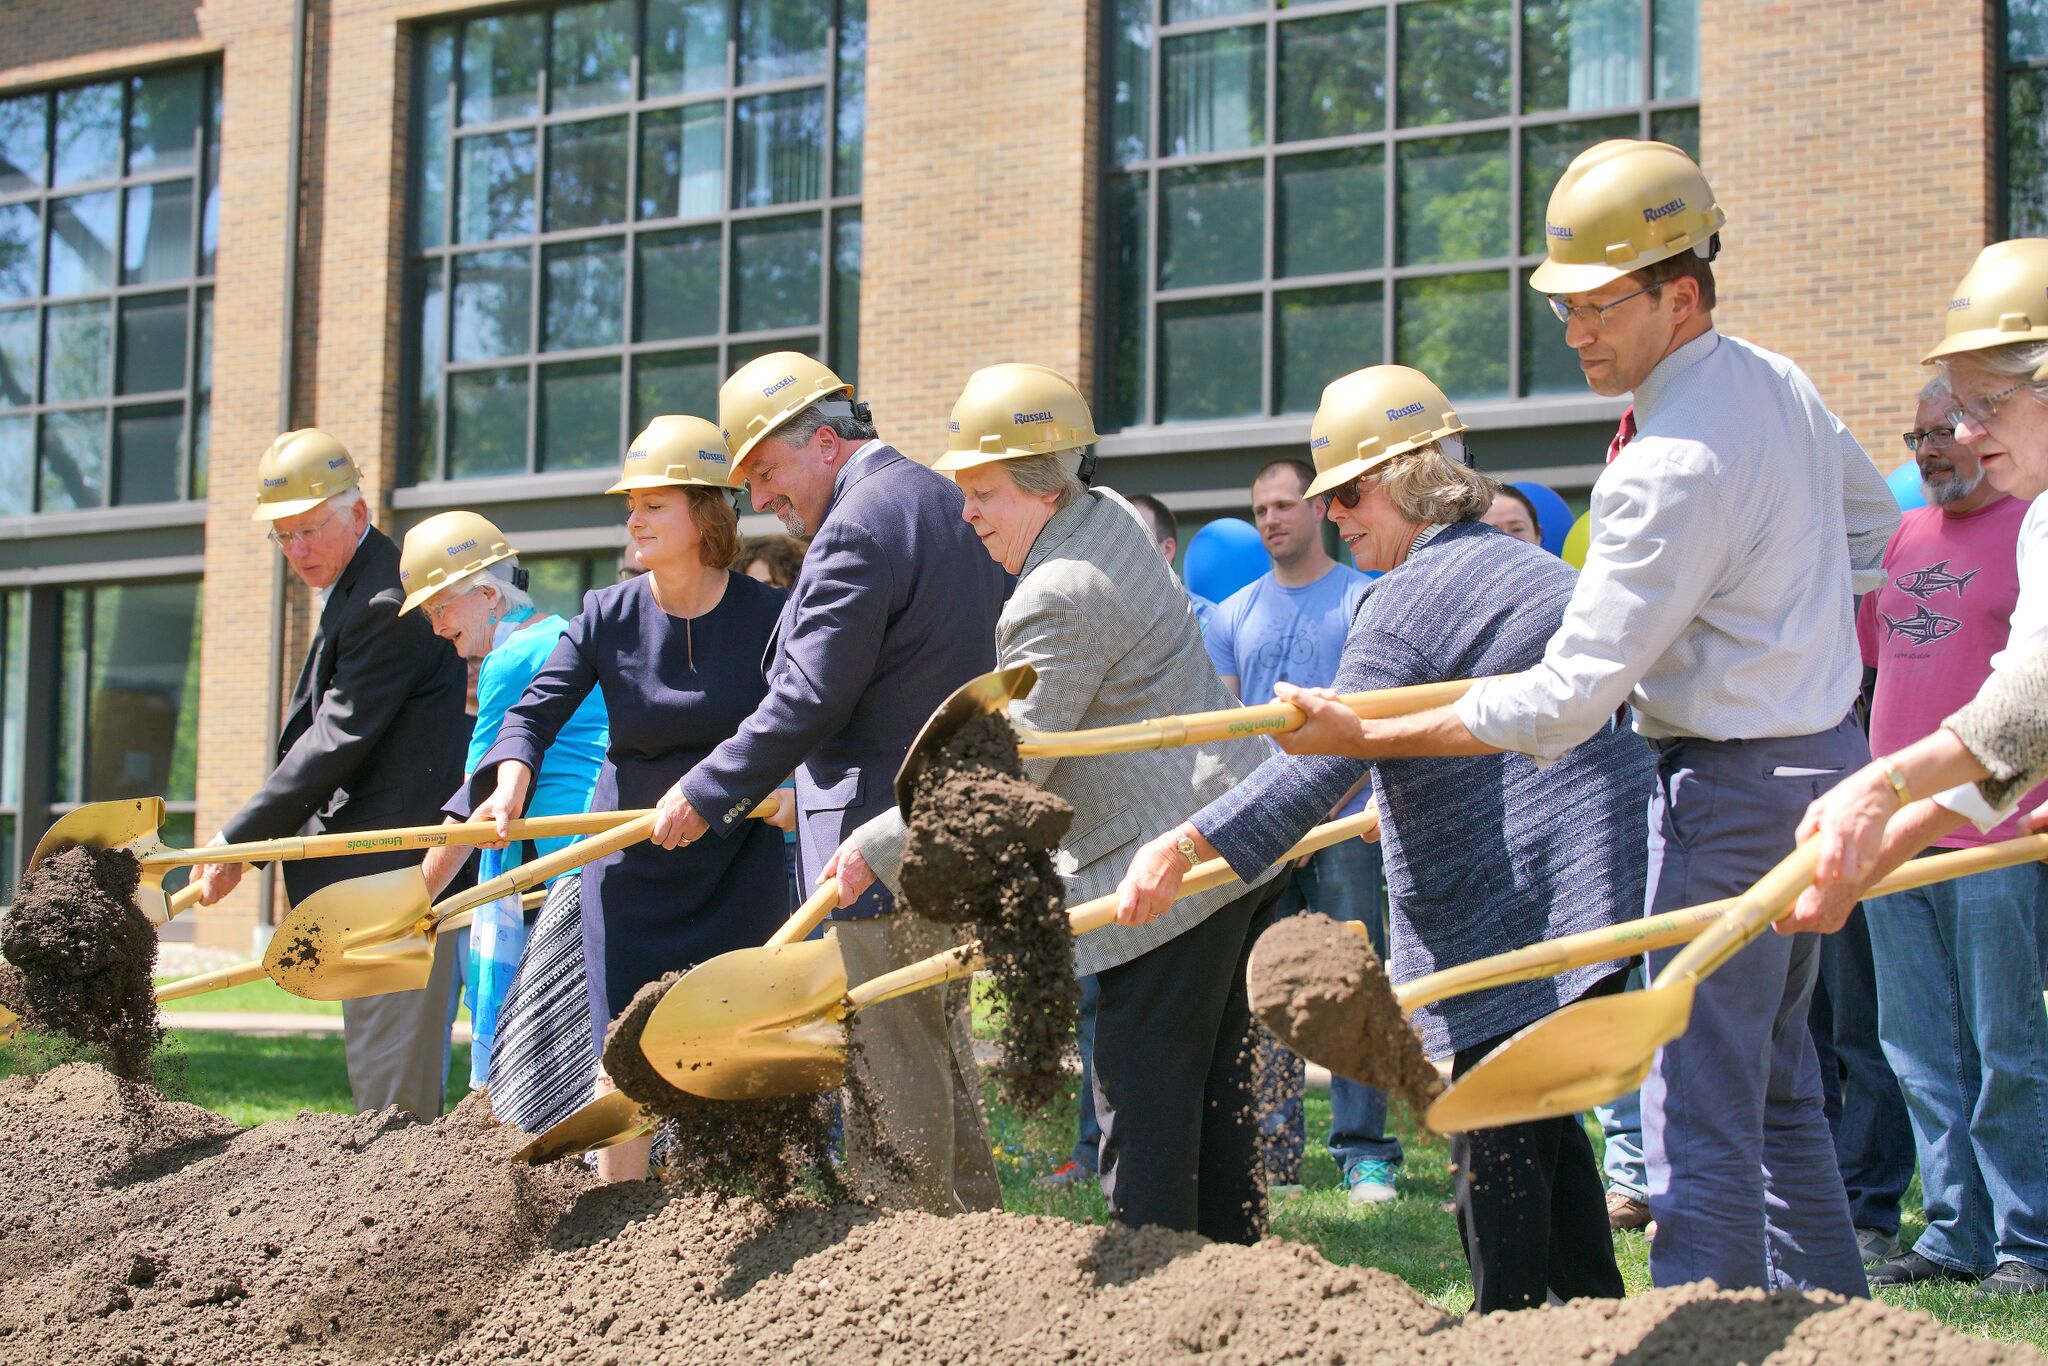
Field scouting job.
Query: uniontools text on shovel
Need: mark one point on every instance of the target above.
(992, 693)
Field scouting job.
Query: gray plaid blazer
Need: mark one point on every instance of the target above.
(1099, 614)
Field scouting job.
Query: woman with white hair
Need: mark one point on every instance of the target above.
(460, 573)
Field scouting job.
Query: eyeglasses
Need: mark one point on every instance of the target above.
(1593, 315)
(1978, 411)
(285, 540)
(1933, 436)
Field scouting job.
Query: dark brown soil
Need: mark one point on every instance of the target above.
(1324, 991)
(980, 853)
(767, 1147)
(84, 956)
(139, 1231)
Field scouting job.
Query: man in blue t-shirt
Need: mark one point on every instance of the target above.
(1288, 625)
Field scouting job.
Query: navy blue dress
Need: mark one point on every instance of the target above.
(673, 689)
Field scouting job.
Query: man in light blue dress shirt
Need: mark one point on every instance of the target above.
(1733, 525)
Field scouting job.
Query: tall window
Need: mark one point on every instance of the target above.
(616, 203)
(109, 205)
(1291, 196)
(2026, 118)
(13, 717)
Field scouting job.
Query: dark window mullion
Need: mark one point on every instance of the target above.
(443, 419)
(1516, 103)
(1390, 180)
(1269, 199)
(537, 279)
(630, 244)
(1155, 138)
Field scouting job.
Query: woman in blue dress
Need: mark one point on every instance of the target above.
(677, 653)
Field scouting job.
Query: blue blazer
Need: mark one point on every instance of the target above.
(895, 607)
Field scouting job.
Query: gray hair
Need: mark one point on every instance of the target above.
(345, 501)
(1935, 389)
(1048, 474)
(499, 576)
(1427, 486)
(2018, 361)
(838, 414)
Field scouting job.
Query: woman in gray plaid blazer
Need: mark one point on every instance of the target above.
(1099, 615)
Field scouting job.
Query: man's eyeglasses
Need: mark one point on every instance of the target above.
(1979, 411)
(1933, 436)
(1593, 315)
(286, 540)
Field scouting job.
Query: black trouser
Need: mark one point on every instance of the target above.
(1532, 1208)
(1173, 1079)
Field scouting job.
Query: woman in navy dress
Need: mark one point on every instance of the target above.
(678, 654)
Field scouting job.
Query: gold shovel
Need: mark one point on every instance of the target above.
(375, 934)
(133, 825)
(992, 694)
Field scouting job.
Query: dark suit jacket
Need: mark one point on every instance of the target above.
(894, 608)
(376, 733)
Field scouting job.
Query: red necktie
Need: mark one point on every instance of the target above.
(1624, 434)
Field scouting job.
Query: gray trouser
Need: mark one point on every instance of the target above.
(398, 1043)
(1742, 1173)
(915, 1058)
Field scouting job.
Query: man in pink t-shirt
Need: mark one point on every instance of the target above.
(1957, 962)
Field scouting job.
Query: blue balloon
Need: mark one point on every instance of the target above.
(1223, 557)
(1553, 515)
(1905, 486)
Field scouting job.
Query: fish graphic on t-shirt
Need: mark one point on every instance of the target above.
(1923, 627)
(1935, 578)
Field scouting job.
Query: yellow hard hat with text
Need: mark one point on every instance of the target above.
(300, 471)
(1622, 205)
(2002, 299)
(1014, 410)
(676, 452)
(1369, 416)
(765, 393)
(446, 549)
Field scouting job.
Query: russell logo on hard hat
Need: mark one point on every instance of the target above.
(1663, 211)
(1021, 418)
(1396, 414)
(469, 544)
(782, 383)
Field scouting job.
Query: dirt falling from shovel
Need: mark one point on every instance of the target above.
(83, 957)
(770, 1147)
(979, 853)
(1324, 991)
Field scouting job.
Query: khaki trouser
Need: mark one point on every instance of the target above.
(397, 1043)
(914, 1057)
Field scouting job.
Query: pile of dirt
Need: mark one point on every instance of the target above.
(979, 852)
(1323, 990)
(766, 1147)
(146, 1232)
(83, 957)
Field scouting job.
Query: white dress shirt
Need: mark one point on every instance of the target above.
(1729, 540)
(2029, 632)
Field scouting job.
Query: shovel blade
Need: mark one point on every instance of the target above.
(753, 1023)
(310, 954)
(980, 696)
(613, 1117)
(1584, 1055)
(132, 825)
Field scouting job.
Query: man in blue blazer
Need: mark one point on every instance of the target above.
(895, 607)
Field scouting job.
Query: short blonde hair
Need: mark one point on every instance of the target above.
(1426, 486)
(1043, 474)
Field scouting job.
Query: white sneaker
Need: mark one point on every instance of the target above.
(1370, 1182)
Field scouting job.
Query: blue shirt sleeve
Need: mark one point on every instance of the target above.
(1221, 635)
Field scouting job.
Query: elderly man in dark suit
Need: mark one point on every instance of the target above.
(895, 606)
(375, 736)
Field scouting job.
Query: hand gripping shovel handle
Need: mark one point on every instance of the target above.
(1235, 723)
(956, 963)
(517, 880)
(1673, 928)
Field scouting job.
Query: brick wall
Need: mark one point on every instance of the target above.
(1850, 144)
(978, 202)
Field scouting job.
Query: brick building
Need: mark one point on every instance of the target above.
(481, 243)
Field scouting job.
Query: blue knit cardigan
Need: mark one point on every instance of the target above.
(1483, 854)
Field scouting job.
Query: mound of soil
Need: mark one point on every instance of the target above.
(146, 1232)
(84, 955)
(1324, 991)
(979, 853)
(764, 1147)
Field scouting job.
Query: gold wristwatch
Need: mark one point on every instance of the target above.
(1186, 844)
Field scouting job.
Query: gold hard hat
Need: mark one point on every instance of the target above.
(1622, 205)
(2001, 299)
(444, 550)
(300, 471)
(675, 452)
(765, 393)
(1010, 411)
(1369, 416)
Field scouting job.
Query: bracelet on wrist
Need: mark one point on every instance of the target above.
(1896, 777)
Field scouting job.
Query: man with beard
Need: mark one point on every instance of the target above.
(1951, 960)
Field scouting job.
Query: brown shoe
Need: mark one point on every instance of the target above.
(1625, 1211)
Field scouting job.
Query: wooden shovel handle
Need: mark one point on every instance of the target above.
(1234, 723)
(1672, 928)
(963, 961)
(526, 875)
(184, 899)
(808, 916)
(210, 981)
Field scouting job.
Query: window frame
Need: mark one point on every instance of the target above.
(1147, 431)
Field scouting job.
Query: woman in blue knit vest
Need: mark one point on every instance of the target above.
(1483, 854)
